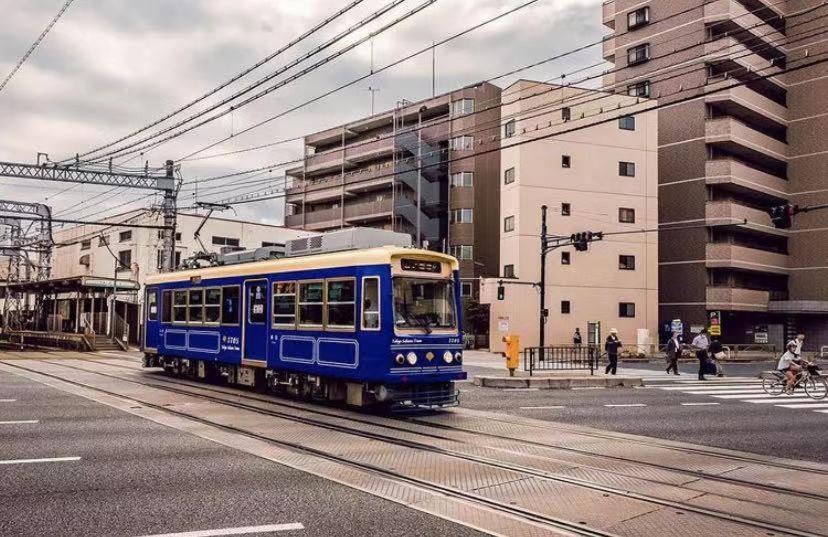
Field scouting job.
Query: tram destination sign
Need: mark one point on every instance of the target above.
(416, 265)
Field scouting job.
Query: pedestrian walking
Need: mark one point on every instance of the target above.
(576, 337)
(673, 353)
(612, 346)
(716, 353)
(701, 343)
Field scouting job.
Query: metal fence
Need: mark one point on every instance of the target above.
(561, 358)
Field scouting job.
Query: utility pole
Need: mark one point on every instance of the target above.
(373, 91)
(543, 310)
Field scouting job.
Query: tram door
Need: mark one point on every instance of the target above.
(255, 320)
(151, 318)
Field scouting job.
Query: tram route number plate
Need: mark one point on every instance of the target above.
(417, 265)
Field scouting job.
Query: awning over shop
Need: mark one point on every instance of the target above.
(75, 284)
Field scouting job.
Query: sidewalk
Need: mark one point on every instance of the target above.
(489, 370)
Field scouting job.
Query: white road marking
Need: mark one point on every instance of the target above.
(233, 531)
(757, 395)
(744, 386)
(822, 411)
(727, 392)
(521, 389)
(19, 422)
(813, 405)
(627, 405)
(699, 404)
(779, 400)
(7, 400)
(590, 388)
(541, 407)
(35, 461)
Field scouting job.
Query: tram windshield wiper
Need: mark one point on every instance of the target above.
(414, 319)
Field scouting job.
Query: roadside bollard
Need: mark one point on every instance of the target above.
(512, 353)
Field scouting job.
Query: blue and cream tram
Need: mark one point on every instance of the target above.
(380, 325)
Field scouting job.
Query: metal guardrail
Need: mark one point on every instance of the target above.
(561, 358)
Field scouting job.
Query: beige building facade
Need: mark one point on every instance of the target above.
(726, 157)
(600, 177)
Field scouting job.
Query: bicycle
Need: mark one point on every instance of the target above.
(812, 381)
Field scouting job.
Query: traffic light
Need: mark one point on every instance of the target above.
(782, 215)
(501, 292)
(581, 240)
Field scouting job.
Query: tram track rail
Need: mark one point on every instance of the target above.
(173, 385)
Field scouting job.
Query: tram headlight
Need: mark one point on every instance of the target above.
(458, 357)
(399, 359)
(448, 357)
(411, 358)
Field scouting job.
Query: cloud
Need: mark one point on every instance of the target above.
(109, 67)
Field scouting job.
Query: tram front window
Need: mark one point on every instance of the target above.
(424, 304)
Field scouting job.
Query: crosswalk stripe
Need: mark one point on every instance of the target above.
(705, 387)
(822, 411)
(745, 391)
(813, 405)
(780, 400)
(699, 404)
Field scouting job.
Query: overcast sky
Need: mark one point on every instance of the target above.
(111, 66)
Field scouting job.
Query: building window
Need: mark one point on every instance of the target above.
(465, 289)
(566, 307)
(257, 303)
(460, 143)
(341, 303)
(225, 241)
(87, 244)
(626, 169)
(626, 123)
(639, 89)
(638, 54)
(230, 305)
(566, 209)
(508, 224)
(565, 260)
(462, 216)
(462, 107)
(637, 18)
(103, 240)
(125, 236)
(161, 235)
(284, 304)
(212, 305)
(566, 113)
(196, 309)
(626, 309)
(462, 179)
(626, 262)
(566, 161)
(508, 271)
(180, 307)
(626, 216)
(509, 128)
(266, 244)
(509, 176)
(125, 259)
(464, 252)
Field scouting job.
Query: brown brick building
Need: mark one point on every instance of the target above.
(403, 169)
(727, 157)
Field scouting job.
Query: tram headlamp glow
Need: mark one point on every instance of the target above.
(411, 358)
(448, 357)
(458, 357)
(399, 359)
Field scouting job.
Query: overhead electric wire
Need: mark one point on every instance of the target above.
(409, 57)
(132, 147)
(37, 42)
(529, 96)
(581, 127)
(328, 20)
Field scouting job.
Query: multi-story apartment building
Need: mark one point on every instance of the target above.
(595, 168)
(421, 168)
(726, 157)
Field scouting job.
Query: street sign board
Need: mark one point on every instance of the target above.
(677, 326)
(714, 322)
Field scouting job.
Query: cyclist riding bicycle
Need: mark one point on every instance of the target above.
(790, 364)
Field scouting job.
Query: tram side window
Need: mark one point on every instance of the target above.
(180, 307)
(230, 305)
(196, 306)
(311, 297)
(152, 305)
(212, 305)
(341, 303)
(284, 304)
(256, 303)
(370, 304)
(166, 307)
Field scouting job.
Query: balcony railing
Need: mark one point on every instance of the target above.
(731, 130)
(735, 299)
(743, 177)
(731, 213)
(742, 257)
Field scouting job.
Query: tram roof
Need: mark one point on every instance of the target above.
(348, 258)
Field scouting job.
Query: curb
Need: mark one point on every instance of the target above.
(557, 383)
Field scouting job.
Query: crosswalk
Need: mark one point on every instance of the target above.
(745, 390)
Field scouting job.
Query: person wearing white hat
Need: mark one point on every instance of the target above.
(612, 346)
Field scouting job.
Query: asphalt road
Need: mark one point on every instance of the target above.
(670, 414)
(136, 477)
